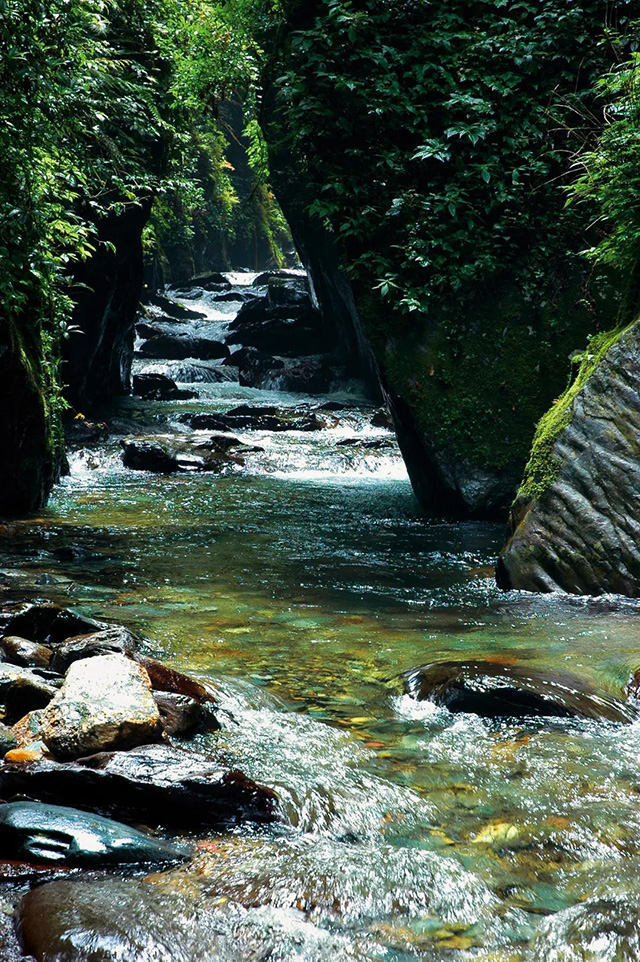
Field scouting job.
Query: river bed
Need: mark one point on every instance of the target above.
(301, 586)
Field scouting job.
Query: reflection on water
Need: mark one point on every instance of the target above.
(301, 587)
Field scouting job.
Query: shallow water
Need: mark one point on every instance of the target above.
(300, 587)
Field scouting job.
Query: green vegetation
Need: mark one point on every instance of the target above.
(106, 105)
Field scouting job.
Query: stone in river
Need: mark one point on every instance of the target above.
(159, 387)
(169, 454)
(182, 715)
(494, 690)
(31, 831)
(179, 347)
(123, 920)
(21, 651)
(47, 623)
(116, 639)
(168, 679)
(159, 783)
(104, 703)
(28, 730)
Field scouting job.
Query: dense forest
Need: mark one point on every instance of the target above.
(319, 510)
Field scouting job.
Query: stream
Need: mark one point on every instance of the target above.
(300, 586)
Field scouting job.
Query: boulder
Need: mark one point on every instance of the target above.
(47, 623)
(112, 640)
(21, 651)
(253, 365)
(33, 832)
(313, 376)
(82, 433)
(181, 715)
(28, 730)
(159, 387)
(494, 690)
(283, 336)
(169, 454)
(164, 678)
(121, 920)
(161, 784)
(263, 418)
(174, 309)
(208, 277)
(235, 294)
(179, 347)
(105, 702)
(575, 524)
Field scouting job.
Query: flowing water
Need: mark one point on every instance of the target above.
(300, 586)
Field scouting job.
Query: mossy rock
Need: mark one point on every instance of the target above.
(575, 524)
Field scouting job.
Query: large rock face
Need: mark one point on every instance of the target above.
(433, 226)
(107, 294)
(575, 525)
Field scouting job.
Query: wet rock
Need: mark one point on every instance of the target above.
(168, 454)
(164, 678)
(209, 277)
(105, 702)
(82, 433)
(31, 831)
(48, 623)
(235, 294)
(182, 715)
(253, 365)
(252, 311)
(159, 387)
(160, 784)
(28, 730)
(292, 276)
(173, 309)
(575, 524)
(121, 920)
(283, 336)
(188, 293)
(179, 347)
(8, 740)
(10, 674)
(264, 418)
(26, 694)
(494, 690)
(21, 651)
(382, 419)
(370, 444)
(114, 640)
(309, 377)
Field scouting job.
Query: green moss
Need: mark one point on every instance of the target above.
(543, 466)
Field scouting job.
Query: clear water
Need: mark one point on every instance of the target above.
(300, 587)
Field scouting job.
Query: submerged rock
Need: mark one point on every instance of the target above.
(493, 690)
(159, 387)
(597, 930)
(167, 454)
(159, 783)
(121, 920)
(575, 525)
(31, 831)
(105, 702)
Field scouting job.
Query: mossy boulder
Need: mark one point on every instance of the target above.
(575, 523)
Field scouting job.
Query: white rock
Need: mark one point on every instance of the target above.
(105, 703)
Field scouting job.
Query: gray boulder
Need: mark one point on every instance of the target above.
(104, 703)
(575, 525)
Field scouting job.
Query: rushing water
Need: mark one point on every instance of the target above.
(301, 586)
